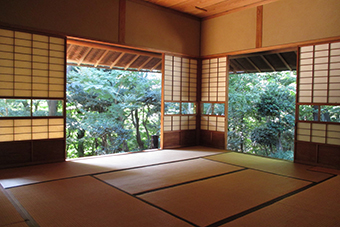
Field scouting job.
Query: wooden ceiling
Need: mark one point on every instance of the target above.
(90, 54)
(208, 8)
(263, 62)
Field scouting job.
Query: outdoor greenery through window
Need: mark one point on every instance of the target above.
(111, 111)
(324, 113)
(188, 108)
(213, 109)
(261, 114)
(173, 108)
(28, 107)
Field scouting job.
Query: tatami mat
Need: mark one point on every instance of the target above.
(32, 174)
(8, 213)
(208, 201)
(86, 201)
(325, 170)
(316, 206)
(276, 166)
(153, 177)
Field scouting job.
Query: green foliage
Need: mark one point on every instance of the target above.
(261, 113)
(15, 107)
(110, 111)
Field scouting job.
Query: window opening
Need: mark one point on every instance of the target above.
(111, 111)
(113, 98)
(261, 106)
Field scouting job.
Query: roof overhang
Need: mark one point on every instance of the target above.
(102, 55)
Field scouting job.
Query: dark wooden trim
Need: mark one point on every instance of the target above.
(198, 100)
(108, 46)
(226, 105)
(65, 100)
(317, 154)
(212, 139)
(162, 103)
(259, 26)
(24, 153)
(297, 100)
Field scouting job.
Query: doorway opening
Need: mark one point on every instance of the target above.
(113, 102)
(261, 105)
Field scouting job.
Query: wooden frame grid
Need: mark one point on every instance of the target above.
(319, 73)
(214, 85)
(180, 86)
(214, 76)
(32, 67)
(318, 84)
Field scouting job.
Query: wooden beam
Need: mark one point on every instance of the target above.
(235, 67)
(69, 48)
(122, 16)
(160, 62)
(146, 62)
(117, 59)
(253, 64)
(284, 61)
(268, 63)
(101, 57)
(84, 56)
(111, 47)
(239, 65)
(259, 26)
(131, 62)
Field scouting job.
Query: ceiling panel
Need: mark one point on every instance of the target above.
(208, 8)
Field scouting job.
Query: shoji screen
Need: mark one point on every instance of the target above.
(213, 99)
(180, 101)
(32, 95)
(318, 105)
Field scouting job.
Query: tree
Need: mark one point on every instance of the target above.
(261, 113)
(110, 111)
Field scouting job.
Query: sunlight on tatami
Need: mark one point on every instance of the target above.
(195, 186)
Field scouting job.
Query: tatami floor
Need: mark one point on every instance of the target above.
(195, 186)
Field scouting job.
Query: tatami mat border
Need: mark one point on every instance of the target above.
(111, 171)
(263, 205)
(151, 204)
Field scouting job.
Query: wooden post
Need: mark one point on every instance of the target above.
(259, 26)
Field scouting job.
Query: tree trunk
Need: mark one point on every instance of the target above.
(125, 146)
(326, 117)
(104, 143)
(36, 105)
(80, 136)
(135, 121)
(146, 129)
(241, 133)
(279, 142)
(52, 107)
(315, 113)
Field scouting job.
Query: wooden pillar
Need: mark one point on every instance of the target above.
(259, 26)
